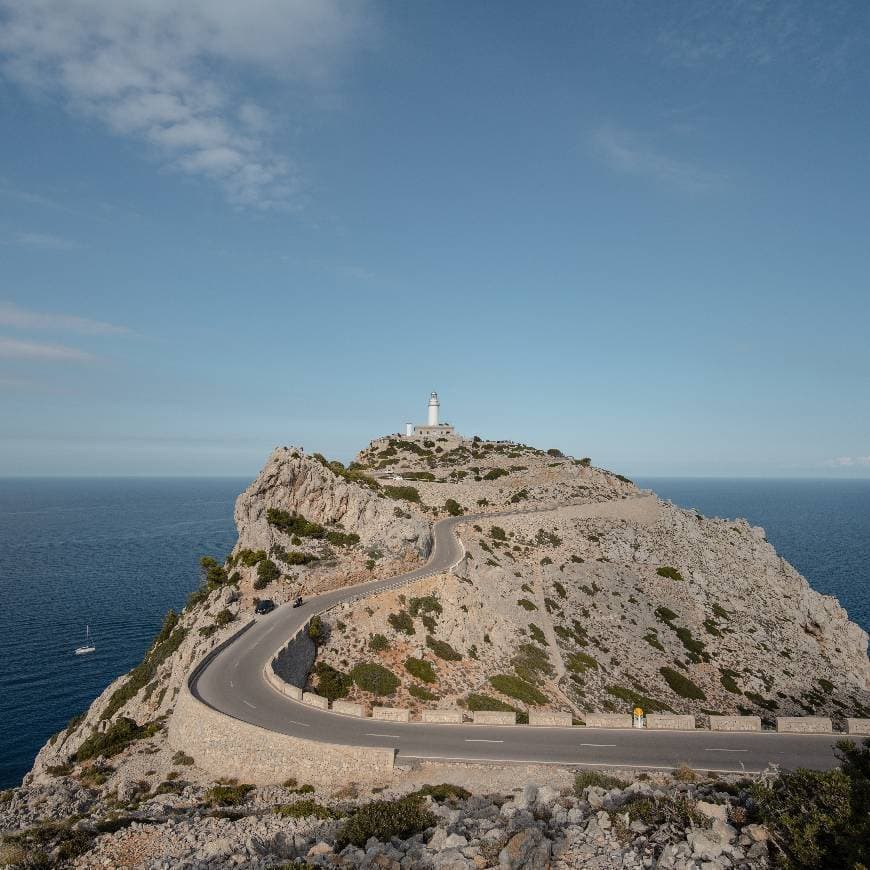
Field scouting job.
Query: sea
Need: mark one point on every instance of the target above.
(116, 553)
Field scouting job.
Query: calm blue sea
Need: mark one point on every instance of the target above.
(117, 553)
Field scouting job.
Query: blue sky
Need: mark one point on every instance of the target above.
(634, 231)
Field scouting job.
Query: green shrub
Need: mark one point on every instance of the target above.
(402, 622)
(514, 687)
(383, 820)
(331, 683)
(819, 819)
(587, 778)
(442, 649)
(317, 629)
(585, 462)
(530, 661)
(424, 604)
(446, 791)
(652, 638)
(537, 634)
(681, 685)
(579, 662)
(668, 571)
(495, 474)
(519, 495)
(421, 693)
(560, 589)
(249, 558)
(421, 669)
(267, 571)
(182, 758)
(223, 618)
(527, 605)
(378, 643)
(374, 678)
(407, 493)
(120, 734)
(228, 795)
(453, 507)
(761, 701)
(729, 681)
(666, 615)
(497, 533)
(342, 539)
(296, 557)
(294, 524)
(425, 476)
(305, 809)
(695, 648)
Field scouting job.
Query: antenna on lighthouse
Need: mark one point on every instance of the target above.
(434, 404)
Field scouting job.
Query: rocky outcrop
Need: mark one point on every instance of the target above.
(296, 482)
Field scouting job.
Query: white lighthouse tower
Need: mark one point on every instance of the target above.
(434, 405)
(432, 428)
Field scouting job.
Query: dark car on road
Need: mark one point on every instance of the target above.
(297, 602)
(265, 606)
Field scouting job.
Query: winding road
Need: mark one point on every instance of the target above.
(232, 682)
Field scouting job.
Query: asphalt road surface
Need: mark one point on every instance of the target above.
(233, 683)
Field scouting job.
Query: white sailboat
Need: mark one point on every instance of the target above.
(88, 645)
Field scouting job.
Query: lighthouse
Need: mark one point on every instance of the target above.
(434, 405)
(431, 428)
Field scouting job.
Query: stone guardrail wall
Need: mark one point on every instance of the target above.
(669, 722)
(735, 723)
(607, 720)
(494, 717)
(803, 725)
(550, 718)
(391, 714)
(348, 708)
(314, 700)
(858, 726)
(444, 716)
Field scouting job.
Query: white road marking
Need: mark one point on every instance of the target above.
(712, 749)
(369, 734)
(231, 685)
(598, 744)
(481, 740)
(303, 724)
(252, 706)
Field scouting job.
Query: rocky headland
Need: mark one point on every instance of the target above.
(578, 592)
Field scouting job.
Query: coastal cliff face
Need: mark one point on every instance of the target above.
(602, 598)
(612, 600)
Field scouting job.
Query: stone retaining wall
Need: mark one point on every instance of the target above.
(279, 685)
(391, 714)
(735, 723)
(228, 747)
(607, 720)
(551, 718)
(494, 717)
(314, 700)
(348, 708)
(668, 722)
(446, 717)
(804, 724)
(858, 726)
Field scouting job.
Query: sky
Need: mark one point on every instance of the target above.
(633, 231)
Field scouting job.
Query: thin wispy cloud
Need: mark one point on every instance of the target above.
(43, 242)
(22, 318)
(13, 348)
(165, 75)
(821, 37)
(627, 153)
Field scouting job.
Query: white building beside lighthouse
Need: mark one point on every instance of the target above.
(432, 428)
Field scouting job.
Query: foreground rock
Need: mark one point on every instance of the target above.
(599, 823)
